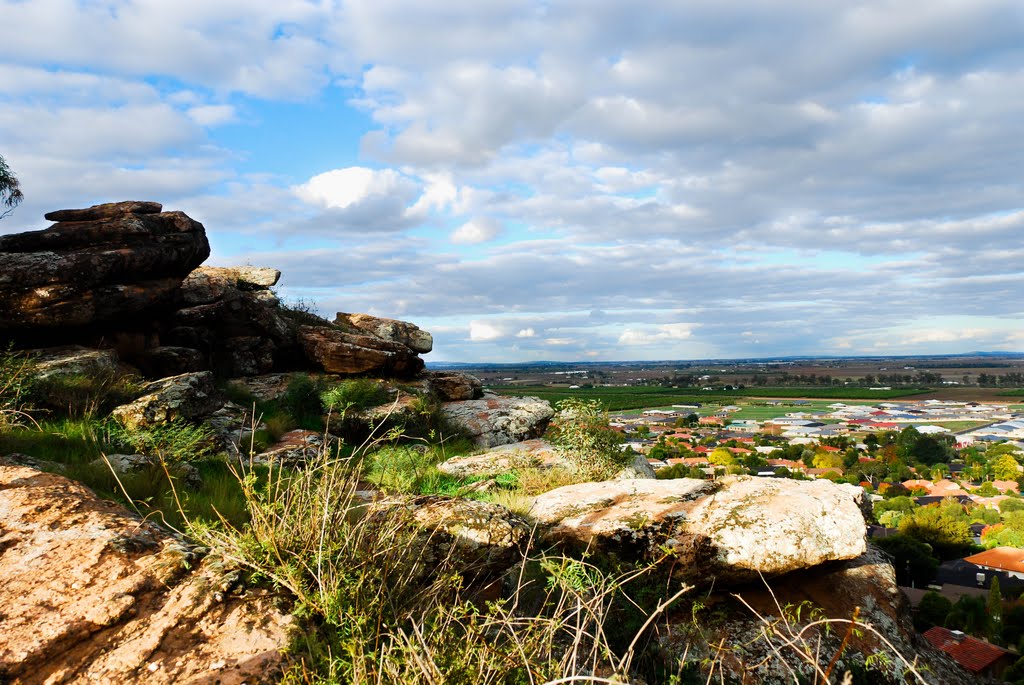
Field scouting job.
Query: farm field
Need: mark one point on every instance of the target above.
(624, 398)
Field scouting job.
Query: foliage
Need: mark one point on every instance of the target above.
(944, 527)
(932, 611)
(84, 395)
(356, 394)
(10, 189)
(17, 376)
(1005, 467)
(913, 560)
(969, 615)
(174, 442)
(302, 401)
(581, 434)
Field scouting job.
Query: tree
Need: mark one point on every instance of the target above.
(995, 606)
(943, 527)
(932, 611)
(10, 189)
(908, 553)
(1005, 467)
(721, 456)
(581, 434)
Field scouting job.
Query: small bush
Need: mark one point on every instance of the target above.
(355, 395)
(174, 442)
(582, 436)
(302, 402)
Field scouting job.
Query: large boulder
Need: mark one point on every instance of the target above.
(188, 396)
(727, 531)
(773, 631)
(102, 265)
(93, 594)
(401, 332)
(74, 360)
(337, 351)
(537, 453)
(451, 386)
(500, 420)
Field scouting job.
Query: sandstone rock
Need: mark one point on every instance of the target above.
(638, 468)
(349, 354)
(74, 360)
(474, 537)
(234, 427)
(502, 459)
(188, 396)
(500, 420)
(168, 360)
(755, 648)
(267, 387)
(106, 211)
(296, 448)
(452, 386)
(92, 594)
(400, 332)
(724, 532)
(110, 263)
(209, 283)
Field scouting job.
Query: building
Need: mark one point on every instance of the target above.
(1007, 559)
(977, 656)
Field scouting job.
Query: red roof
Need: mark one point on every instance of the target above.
(973, 654)
(826, 448)
(1003, 558)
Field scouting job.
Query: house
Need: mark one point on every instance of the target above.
(977, 656)
(1007, 559)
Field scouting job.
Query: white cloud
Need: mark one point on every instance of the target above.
(212, 115)
(526, 333)
(481, 331)
(475, 231)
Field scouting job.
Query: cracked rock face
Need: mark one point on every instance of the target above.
(496, 420)
(92, 594)
(188, 396)
(102, 264)
(729, 531)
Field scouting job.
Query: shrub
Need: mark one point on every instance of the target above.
(581, 434)
(174, 442)
(356, 394)
(302, 401)
(16, 380)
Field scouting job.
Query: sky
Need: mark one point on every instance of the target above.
(543, 180)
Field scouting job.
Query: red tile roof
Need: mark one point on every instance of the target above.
(1004, 558)
(973, 654)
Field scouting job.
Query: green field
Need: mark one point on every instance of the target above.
(1019, 392)
(623, 398)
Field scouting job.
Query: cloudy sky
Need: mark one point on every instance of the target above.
(578, 179)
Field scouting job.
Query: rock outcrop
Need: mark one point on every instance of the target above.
(400, 332)
(188, 396)
(497, 420)
(729, 531)
(92, 594)
(103, 265)
(537, 453)
(350, 354)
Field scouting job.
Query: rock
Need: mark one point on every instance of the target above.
(168, 360)
(349, 354)
(789, 605)
(210, 283)
(266, 387)
(500, 420)
(452, 386)
(729, 531)
(188, 396)
(106, 264)
(93, 594)
(537, 453)
(502, 459)
(473, 537)
(74, 360)
(296, 448)
(234, 426)
(401, 332)
(107, 211)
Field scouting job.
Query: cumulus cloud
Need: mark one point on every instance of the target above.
(476, 231)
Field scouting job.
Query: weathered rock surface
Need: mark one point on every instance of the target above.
(92, 594)
(475, 537)
(74, 360)
(724, 532)
(497, 420)
(350, 354)
(400, 332)
(537, 453)
(755, 650)
(188, 396)
(451, 386)
(103, 264)
(134, 463)
(296, 448)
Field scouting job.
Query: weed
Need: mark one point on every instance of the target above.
(356, 394)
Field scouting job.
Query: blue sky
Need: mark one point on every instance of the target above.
(559, 180)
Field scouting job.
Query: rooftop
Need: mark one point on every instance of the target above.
(973, 654)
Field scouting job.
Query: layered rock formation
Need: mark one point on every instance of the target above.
(497, 420)
(92, 594)
(102, 265)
